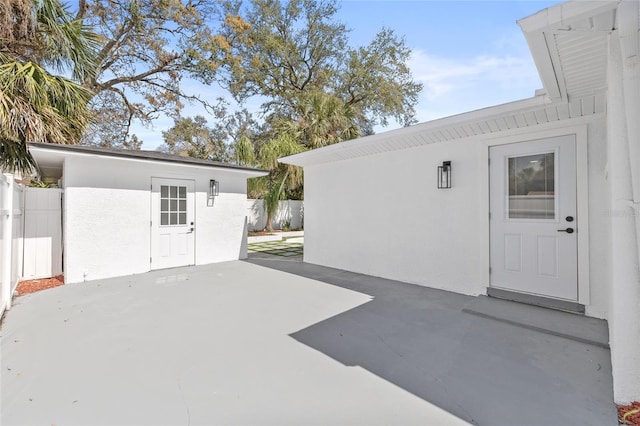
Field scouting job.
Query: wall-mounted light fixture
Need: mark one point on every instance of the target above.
(444, 175)
(214, 190)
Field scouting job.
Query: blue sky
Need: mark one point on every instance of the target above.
(468, 54)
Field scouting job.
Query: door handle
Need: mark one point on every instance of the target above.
(568, 230)
(191, 230)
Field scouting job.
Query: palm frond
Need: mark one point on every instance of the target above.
(65, 43)
(36, 106)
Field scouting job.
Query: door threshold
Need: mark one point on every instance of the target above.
(530, 299)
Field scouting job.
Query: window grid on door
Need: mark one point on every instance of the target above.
(173, 205)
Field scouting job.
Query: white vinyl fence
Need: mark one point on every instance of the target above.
(42, 233)
(290, 212)
(11, 237)
(30, 235)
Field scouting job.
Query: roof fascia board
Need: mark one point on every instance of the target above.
(539, 45)
(68, 153)
(533, 102)
(564, 14)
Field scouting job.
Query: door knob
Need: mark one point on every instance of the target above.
(568, 230)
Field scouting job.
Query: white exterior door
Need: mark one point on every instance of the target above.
(533, 217)
(172, 223)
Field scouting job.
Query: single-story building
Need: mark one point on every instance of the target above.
(128, 212)
(535, 200)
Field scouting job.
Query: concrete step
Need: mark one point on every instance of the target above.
(563, 324)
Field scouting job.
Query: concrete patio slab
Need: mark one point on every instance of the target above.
(484, 371)
(215, 344)
(277, 342)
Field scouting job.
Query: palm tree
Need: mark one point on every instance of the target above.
(281, 176)
(38, 37)
(319, 119)
(322, 119)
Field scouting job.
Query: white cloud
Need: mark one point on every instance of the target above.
(453, 85)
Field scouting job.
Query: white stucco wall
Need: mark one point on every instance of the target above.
(599, 222)
(383, 214)
(107, 212)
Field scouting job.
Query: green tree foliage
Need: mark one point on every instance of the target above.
(297, 48)
(190, 137)
(110, 123)
(38, 38)
(316, 89)
(377, 82)
(228, 139)
(146, 49)
(319, 119)
(273, 187)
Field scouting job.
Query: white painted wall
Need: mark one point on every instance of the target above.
(599, 241)
(42, 233)
(383, 214)
(288, 210)
(107, 212)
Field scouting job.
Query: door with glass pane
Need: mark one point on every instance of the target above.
(533, 223)
(172, 223)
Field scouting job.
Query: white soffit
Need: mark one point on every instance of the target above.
(480, 123)
(569, 46)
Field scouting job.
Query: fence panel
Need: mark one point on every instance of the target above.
(11, 237)
(4, 250)
(289, 212)
(18, 235)
(42, 233)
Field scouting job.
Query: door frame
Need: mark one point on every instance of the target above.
(582, 198)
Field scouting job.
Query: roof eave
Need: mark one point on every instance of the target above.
(301, 159)
(539, 30)
(564, 14)
(184, 161)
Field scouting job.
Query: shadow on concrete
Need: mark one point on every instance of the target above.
(484, 371)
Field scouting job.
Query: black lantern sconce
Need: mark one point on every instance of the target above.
(214, 190)
(444, 175)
